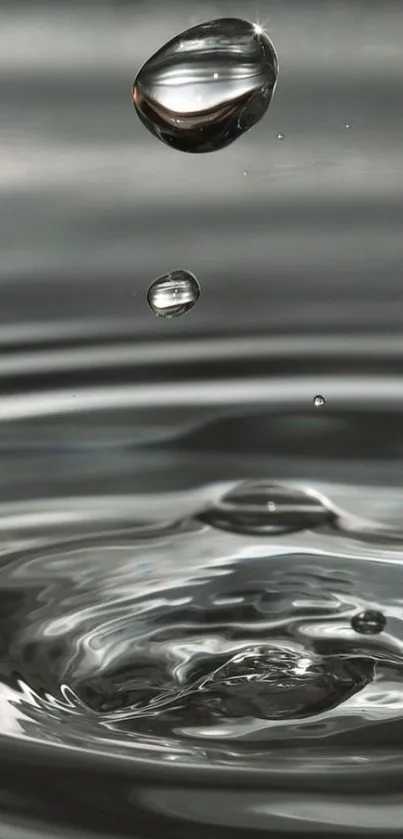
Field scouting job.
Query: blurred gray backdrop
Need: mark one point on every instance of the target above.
(93, 208)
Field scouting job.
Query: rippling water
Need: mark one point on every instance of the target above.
(190, 567)
(201, 613)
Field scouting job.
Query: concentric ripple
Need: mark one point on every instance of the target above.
(186, 642)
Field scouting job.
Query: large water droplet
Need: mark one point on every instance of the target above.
(282, 684)
(369, 622)
(207, 86)
(261, 508)
(173, 294)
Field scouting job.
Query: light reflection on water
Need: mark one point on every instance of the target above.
(117, 431)
(123, 606)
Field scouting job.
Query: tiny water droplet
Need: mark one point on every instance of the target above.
(173, 294)
(347, 125)
(369, 622)
(245, 174)
(280, 135)
(207, 86)
(319, 401)
(264, 509)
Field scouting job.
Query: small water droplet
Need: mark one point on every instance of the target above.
(207, 86)
(173, 294)
(245, 174)
(280, 135)
(347, 125)
(264, 509)
(369, 622)
(319, 401)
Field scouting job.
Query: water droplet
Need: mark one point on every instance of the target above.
(264, 509)
(269, 683)
(280, 135)
(207, 86)
(347, 125)
(319, 401)
(369, 622)
(245, 174)
(173, 294)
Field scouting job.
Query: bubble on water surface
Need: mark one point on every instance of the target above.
(261, 508)
(207, 86)
(173, 294)
(369, 622)
(319, 401)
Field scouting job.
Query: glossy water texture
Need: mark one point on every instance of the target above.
(207, 86)
(170, 641)
(201, 624)
(160, 675)
(173, 294)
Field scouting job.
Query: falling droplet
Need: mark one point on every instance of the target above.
(245, 174)
(319, 401)
(369, 622)
(264, 509)
(207, 86)
(282, 684)
(280, 135)
(173, 294)
(347, 125)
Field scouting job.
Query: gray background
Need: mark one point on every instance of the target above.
(93, 207)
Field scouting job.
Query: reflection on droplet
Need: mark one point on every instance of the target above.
(173, 294)
(207, 86)
(319, 401)
(280, 135)
(369, 622)
(261, 508)
(282, 684)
